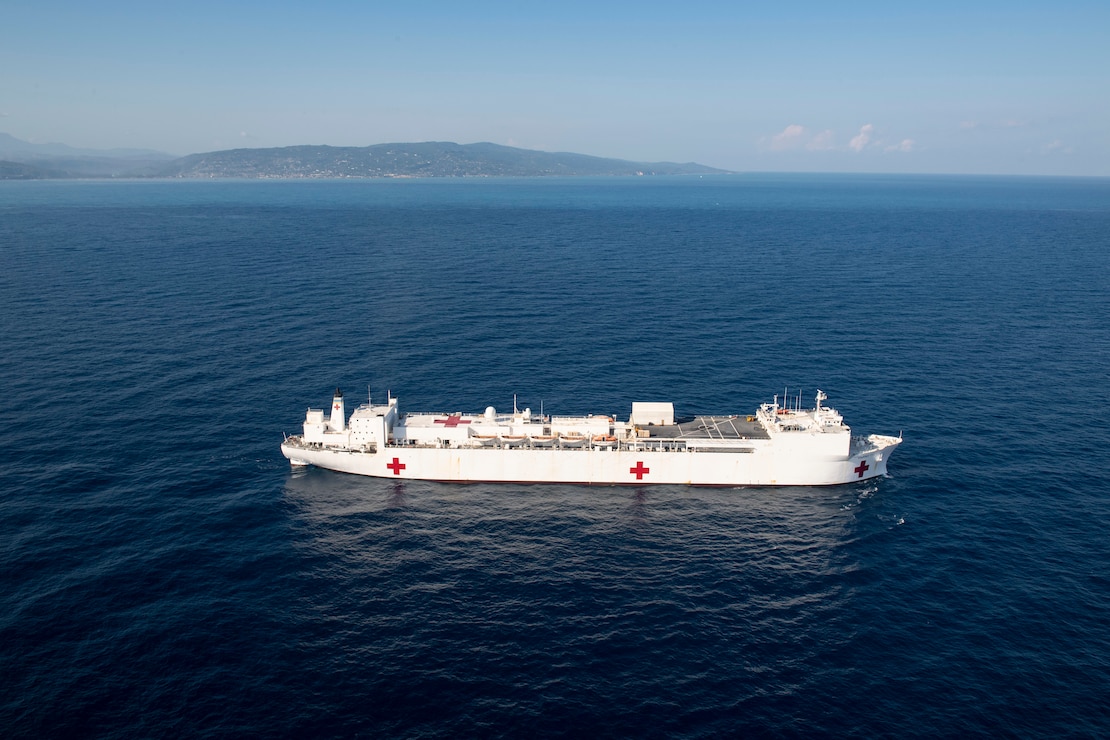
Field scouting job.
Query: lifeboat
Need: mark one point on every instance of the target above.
(572, 440)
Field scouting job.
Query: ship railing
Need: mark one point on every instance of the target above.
(866, 443)
(629, 445)
(653, 445)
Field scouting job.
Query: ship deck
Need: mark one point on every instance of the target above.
(710, 427)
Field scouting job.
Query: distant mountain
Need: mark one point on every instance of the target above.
(428, 159)
(22, 171)
(24, 160)
(15, 149)
(53, 161)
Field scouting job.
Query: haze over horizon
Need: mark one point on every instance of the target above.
(976, 88)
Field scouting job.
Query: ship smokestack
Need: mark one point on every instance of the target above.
(336, 422)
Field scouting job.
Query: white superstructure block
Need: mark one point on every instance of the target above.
(645, 413)
(337, 423)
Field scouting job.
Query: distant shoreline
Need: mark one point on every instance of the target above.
(22, 161)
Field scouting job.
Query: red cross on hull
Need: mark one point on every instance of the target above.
(639, 470)
(396, 466)
(862, 468)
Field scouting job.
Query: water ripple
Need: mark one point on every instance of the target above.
(166, 573)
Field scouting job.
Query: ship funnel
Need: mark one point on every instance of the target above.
(337, 413)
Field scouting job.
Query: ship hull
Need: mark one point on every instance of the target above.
(605, 466)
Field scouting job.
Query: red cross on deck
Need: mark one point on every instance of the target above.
(396, 466)
(862, 468)
(639, 470)
(452, 421)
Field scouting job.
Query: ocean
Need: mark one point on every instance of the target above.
(165, 573)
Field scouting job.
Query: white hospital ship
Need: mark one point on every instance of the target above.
(776, 446)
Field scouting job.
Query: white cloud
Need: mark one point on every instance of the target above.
(789, 138)
(1056, 146)
(821, 141)
(796, 136)
(860, 140)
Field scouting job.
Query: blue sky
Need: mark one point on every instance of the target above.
(961, 87)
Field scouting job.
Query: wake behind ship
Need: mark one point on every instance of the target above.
(775, 446)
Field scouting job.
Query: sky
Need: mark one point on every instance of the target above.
(899, 87)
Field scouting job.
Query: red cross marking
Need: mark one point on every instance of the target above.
(337, 407)
(639, 470)
(862, 468)
(396, 466)
(452, 421)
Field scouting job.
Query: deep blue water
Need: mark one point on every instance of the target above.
(165, 573)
